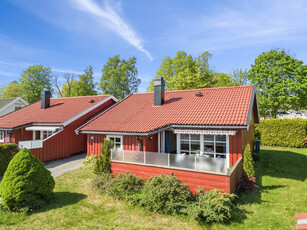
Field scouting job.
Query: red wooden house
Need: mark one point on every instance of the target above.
(47, 127)
(198, 134)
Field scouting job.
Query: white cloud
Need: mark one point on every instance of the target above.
(115, 22)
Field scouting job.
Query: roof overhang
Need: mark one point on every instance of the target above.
(207, 127)
(205, 131)
(43, 128)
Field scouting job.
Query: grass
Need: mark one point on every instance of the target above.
(281, 175)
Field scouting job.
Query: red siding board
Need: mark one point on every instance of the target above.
(193, 179)
(64, 143)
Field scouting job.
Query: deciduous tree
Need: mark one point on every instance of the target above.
(86, 85)
(33, 80)
(119, 77)
(281, 81)
(10, 90)
(185, 72)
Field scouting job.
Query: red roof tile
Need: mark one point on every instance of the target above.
(217, 106)
(60, 110)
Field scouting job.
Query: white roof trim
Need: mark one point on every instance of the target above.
(43, 128)
(82, 113)
(13, 102)
(206, 132)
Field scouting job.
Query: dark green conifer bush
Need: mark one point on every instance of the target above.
(165, 194)
(103, 162)
(212, 206)
(26, 182)
(7, 151)
(248, 162)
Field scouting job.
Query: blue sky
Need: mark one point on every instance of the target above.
(69, 35)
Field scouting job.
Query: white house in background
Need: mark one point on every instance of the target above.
(8, 105)
(292, 114)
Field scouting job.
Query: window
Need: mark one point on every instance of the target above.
(117, 140)
(215, 146)
(1, 136)
(189, 143)
(47, 134)
(18, 106)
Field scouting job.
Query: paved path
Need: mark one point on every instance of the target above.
(59, 167)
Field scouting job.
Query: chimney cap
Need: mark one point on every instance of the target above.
(159, 81)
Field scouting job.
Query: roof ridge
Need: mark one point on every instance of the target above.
(209, 88)
(106, 95)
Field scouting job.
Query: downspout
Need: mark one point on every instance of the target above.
(140, 141)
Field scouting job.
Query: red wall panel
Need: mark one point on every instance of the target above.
(193, 179)
(235, 147)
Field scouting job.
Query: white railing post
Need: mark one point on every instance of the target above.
(111, 154)
(123, 155)
(168, 160)
(144, 158)
(195, 162)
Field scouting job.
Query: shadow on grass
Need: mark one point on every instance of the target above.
(61, 199)
(278, 164)
(283, 164)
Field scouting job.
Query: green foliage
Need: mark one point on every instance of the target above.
(165, 194)
(212, 206)
(90, 161)
(86, 85)
(33, 80)
(185, 72)
(7, 151)
(123, 187)
(119, 77)
(283, 132)
(26, 182)
(103, 182)
(69, 89)
(222, 80)
(126, 186)
(240, 77)
(103, 163)
(10, 90)
(281, 81)
(248, 162)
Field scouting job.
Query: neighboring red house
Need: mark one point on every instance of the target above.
(47, 126)
(198, 134)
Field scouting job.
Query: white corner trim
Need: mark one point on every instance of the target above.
(13, 102)
(87, 110)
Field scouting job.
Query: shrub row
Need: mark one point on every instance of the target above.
(167, 195)
(282, 132)
(7, 151)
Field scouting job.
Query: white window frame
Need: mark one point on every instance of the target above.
(2, 136)
(116, 136)
(214, 145)
(42, 134)
(190, 141)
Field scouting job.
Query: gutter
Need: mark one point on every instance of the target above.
(165, 128)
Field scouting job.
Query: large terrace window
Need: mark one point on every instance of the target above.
(209, 145)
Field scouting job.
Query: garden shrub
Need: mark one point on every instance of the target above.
(90, 161)
(282, 132)
(126, 186)
(26, 182)
(103, 182)
(103, 162)
(7, 151)
(123, 187)
(165, 194)
(212, 206)
(248, 162)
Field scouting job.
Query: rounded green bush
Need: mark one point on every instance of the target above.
(165, 194)
(26, 182)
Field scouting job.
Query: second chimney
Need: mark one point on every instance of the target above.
(159, 85)
(45, 99)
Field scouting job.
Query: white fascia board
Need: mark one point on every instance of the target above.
(89, 109)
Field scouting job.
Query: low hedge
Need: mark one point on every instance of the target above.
(282, 132)
(7, 151)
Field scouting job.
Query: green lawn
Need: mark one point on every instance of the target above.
(281, 174)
